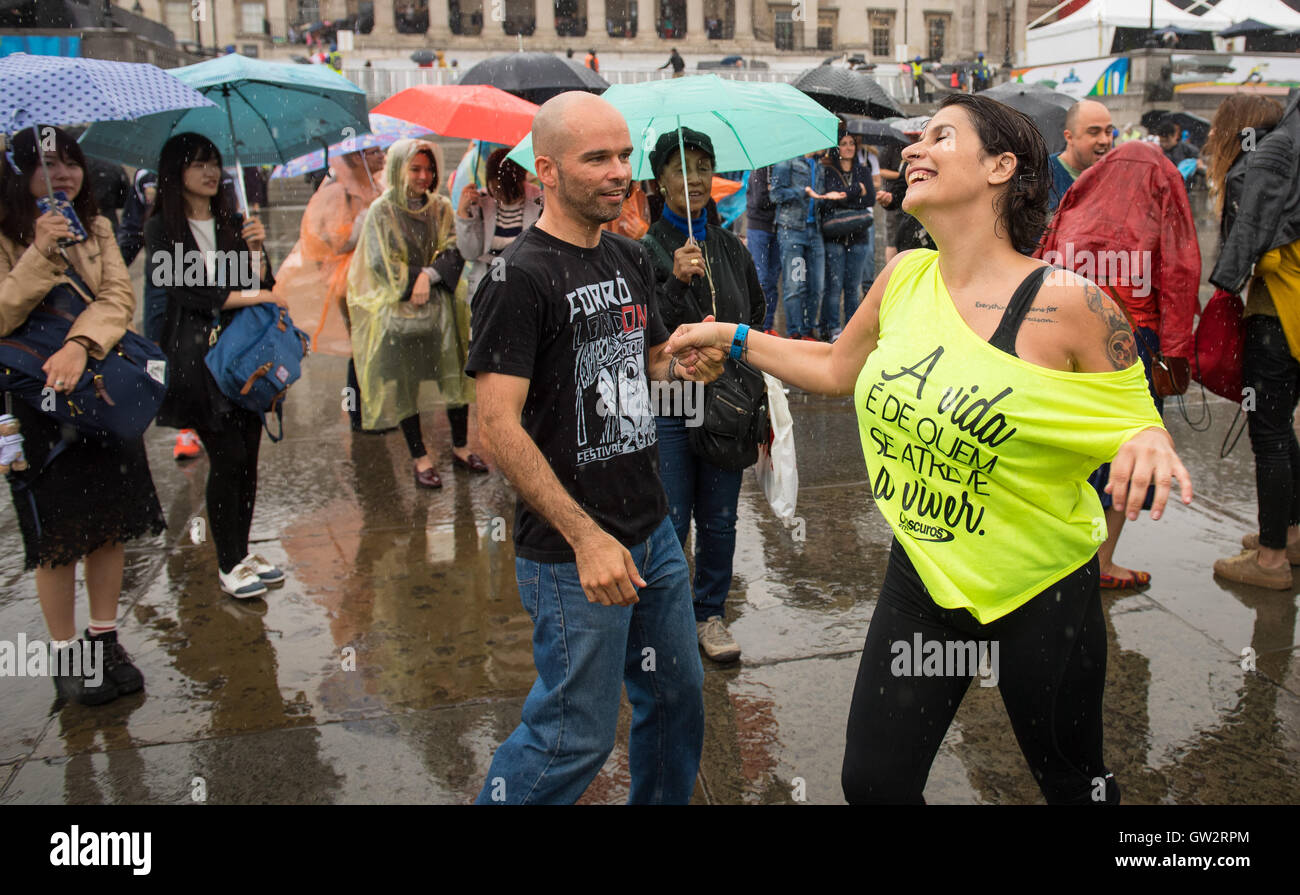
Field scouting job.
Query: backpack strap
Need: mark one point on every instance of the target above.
(1004, 337)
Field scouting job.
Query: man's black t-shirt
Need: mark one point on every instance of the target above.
(578, 323)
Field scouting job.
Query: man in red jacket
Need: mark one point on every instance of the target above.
(1126, 224)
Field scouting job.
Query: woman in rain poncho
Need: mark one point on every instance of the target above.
(314, 277)
(407, 326)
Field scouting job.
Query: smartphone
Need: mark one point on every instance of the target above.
(64, 207)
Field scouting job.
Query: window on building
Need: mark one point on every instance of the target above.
(411, 16)
(251, 18)
(249, 50)
(621, 18)
(464, 18)
(825, 30)
(364, 12)
(937, 28)
(308, 11)
(783, 29)
(518, 16)
(672, 19)
(882, 36)
(571, 17)
(720, 19)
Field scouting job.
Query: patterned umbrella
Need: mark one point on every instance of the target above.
(62, 90)
(384, 132)
(56, 90)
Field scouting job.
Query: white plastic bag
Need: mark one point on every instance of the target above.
(778, 474)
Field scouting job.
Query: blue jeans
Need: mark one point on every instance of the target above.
(846, 267)
(585, 653)
(697, 487)
(767, 259)
(801, 282)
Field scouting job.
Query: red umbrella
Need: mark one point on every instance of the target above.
(471, 112)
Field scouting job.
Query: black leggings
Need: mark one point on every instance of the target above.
(459, 418)
(232, 483)
(1051, 670)
(1268, 367)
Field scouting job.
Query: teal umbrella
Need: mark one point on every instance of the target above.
(751, 124)
(266, 113)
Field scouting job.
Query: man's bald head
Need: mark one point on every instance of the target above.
(561, 121)
(581, 148)
(1088, 133)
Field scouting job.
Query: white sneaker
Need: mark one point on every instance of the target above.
(716, 640)
(241, 582)
(268, 573)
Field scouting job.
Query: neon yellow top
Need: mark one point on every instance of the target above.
(979, 459)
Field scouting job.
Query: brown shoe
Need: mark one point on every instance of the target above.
(1245, 569)
(427, 478)
(1251, 542)
(474, 463)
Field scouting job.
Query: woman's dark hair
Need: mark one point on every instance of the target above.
(508, 176)
(18, 213)
(1022, 205)
(433, 163)
(177, 154)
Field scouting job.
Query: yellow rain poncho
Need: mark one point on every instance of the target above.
(314, 277)
(396, 345)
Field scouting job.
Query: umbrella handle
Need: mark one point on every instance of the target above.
(686, 192)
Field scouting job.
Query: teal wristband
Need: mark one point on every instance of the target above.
(738, 341)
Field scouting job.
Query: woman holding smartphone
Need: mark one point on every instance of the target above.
(986, 392)
(80, 497)
(192, 214)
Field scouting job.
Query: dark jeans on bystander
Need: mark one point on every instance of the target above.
(1268, 367)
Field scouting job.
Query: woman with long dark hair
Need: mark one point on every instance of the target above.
(80, 497)
(1269, 364)
(193, 218)
(851, 249)
(986, 391)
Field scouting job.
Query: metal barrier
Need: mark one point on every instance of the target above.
(381, 83)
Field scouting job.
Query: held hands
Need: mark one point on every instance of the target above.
(420, 293)
(606, 570)
(50, 228)
(468, 201)
(1144, 459)
(254, 234)
(702, 364)
(65, 366)
(688, 262)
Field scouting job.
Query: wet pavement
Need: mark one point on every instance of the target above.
(397, 655)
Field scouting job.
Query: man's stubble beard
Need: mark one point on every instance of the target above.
(589, 207)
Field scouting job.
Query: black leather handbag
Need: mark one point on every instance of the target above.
(735, 418)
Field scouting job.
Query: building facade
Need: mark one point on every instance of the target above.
(883, 31)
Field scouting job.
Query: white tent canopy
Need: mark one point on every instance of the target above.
(1089, 31)
(1270, 12)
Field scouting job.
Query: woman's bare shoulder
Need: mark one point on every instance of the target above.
(1098, 334)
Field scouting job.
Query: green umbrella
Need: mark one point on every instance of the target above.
(751, 124)
(265, 113)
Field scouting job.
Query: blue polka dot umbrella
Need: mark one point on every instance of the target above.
(57, 90)
(384, 132)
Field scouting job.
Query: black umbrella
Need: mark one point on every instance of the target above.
(1046, 109)
(535, 77)
(847, 92)
(420, 57)
(1250, 26)
(877, 133)
(1176, 31)
(1198, 128)
(1041, 91)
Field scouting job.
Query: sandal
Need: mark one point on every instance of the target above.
(1139, 579)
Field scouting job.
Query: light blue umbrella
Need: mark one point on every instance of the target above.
(266, 113)
(58, 90)
(751, 124)
(384, 132)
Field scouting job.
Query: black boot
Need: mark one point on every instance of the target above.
(73, 681)
(117, 664)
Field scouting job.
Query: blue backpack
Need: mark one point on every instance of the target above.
(257, 357)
